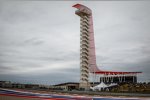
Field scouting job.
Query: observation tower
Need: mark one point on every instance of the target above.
(87, 52)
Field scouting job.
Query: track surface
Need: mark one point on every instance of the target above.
(6, 94)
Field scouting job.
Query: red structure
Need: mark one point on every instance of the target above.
(93, 65)
(87, 49)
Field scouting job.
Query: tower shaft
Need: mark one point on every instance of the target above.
(84, 51)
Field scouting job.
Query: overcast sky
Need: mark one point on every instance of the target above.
(39, 40)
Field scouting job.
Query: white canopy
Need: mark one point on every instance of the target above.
(102, 85)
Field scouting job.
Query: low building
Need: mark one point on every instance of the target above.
(67, 86)
(5, 84)
(18, 85)
(32, 86)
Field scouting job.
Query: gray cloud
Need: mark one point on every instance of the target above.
(39, 41)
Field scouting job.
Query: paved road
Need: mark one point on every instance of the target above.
(6, 94)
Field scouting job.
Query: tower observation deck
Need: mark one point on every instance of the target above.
(87, 48)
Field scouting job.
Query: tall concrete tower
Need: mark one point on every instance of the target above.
(87, 45)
